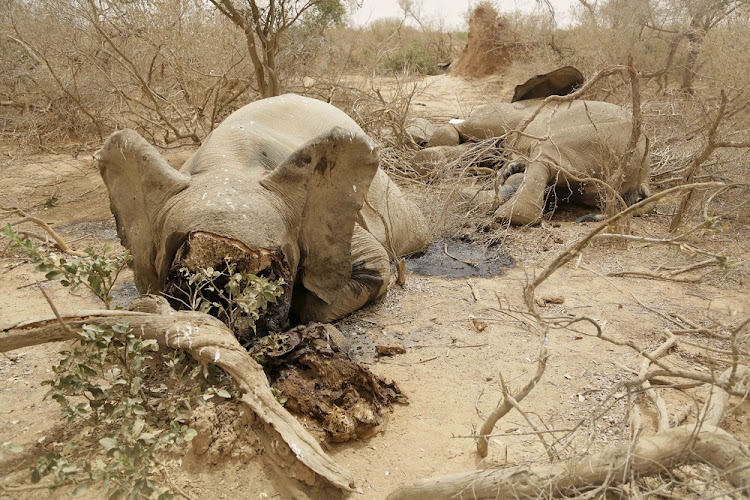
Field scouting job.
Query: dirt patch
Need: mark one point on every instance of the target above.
(225, 431)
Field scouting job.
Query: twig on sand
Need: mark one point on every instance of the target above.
(412, 363)
(39, 222)
(467, 262)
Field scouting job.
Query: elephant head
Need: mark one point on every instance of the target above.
(279, 188)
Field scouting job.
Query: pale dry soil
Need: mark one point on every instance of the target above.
(450, 370)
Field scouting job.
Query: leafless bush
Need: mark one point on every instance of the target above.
(90, 67)
(77, 69)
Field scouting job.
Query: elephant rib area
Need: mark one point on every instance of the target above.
(203, 250)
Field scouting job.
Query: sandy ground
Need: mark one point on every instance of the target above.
(450, 371)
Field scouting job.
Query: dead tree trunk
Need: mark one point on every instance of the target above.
(208, 341)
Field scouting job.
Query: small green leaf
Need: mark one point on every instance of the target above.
(223, 393)
(12, 447)
(138, 427)
(69, 468)
(108, 443)
(120, 328)
(189, 434)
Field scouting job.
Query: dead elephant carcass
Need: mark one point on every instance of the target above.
(280, 188)
(584, 149)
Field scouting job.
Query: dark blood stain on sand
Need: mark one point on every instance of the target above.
(458, 259)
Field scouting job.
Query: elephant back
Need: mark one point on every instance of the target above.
(495, 119)
(263, 133)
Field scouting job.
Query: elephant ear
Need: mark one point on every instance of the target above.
(561, 81)
(139, 182)
(325, 183)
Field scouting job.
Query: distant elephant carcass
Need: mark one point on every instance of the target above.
(576, 146)
(288, 187)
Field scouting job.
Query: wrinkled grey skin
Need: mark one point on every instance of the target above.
(291, 176)
(565, 142)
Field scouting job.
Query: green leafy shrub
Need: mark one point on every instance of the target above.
(129, 403)
(411, 59)
(235, 298)
(97, 272)
(126, 401)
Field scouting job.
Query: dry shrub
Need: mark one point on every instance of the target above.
(171, 70)
(389, 46)
(726, 60)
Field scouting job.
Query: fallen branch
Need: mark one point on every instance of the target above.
(578, 247)
(543, 326)
(208, 341)
(550, 449)
(505, 406)
(58, 239)
(650, 455)
(655, 397)
(670, 241)
(467, 262)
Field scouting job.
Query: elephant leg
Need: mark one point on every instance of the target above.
(512, 168)
(509, 187)
(370, 276)
(507, 182)
(447, 135)
(526, 206)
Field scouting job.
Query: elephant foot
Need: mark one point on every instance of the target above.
(513, 168)
(519, 214)
(590, 218)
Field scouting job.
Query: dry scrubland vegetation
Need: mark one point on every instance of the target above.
(72, 71)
